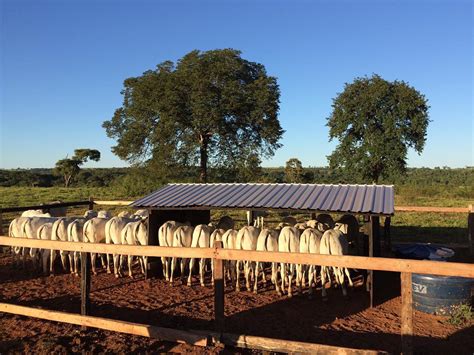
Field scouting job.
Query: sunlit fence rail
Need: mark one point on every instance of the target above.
(217, 254)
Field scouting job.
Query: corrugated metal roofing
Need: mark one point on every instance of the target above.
(370, 199)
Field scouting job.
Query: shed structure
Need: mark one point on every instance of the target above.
(355, 199)
(193, 203)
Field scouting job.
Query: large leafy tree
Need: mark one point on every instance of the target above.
(376, 121)
(211, 108)
(68, 168)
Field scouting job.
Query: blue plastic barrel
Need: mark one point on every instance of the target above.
(440, 294)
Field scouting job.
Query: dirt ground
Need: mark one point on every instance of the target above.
(339, 322)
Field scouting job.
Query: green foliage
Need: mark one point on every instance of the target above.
(24, 196)
(68, 168)
(294, 171)
(461, 315)
(376, 122)
(137, 183)
(211, 108)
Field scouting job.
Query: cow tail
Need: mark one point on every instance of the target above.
(10, 229)
(54, 230)
(84, 232)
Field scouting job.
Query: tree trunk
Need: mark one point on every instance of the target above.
(204, 140)
(67, 180)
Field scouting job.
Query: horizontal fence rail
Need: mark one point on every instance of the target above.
(194, 337)
(354, 262)
(433, 209)
(45, 206)
(129, 202)
(112, 203)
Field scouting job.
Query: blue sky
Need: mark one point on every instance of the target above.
(63, 64)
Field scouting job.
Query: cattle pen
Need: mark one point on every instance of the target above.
(218, 255)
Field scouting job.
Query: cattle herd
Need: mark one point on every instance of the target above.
(318, 236)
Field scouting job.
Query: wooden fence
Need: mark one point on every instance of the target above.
(405, 267)
(217, 254)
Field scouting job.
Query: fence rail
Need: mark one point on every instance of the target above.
(193, 337)
(433, 209)
(349, 261)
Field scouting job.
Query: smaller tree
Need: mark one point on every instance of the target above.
(294, 171)
(68, 168)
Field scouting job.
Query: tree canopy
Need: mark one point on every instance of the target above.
(376, 122)
(68, 168)
(294, 171)
(210, 108)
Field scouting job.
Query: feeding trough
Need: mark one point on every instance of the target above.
(436, 294)
(440, 294)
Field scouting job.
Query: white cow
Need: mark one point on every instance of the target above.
(34, 213)
(312, 223)
(182, 237)
(229, 241)
(44, 233)
(267, 241)
(30, 230)
(333, 242)
(94, 232)
(15, 230)
(104, 214)
(201, 239)
(310, 241)
(75, 233)
(136, 233)
(289, 242)
(349, 226)
(165, 239)
(113, 235)
(59, 232)
(125, 214)
(143, 214)
(301, 226)
(246, 240)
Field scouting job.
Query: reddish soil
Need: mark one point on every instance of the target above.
(339, 322)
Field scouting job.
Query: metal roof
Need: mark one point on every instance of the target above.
(369, 199)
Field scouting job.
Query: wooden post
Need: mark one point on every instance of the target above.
(470, 228)
(407, 313)
(250, 218)
(219, 291)
(387, 235)
(91, 203)
(1, 230)
(85, 283)
(154, 267)
(370, 273)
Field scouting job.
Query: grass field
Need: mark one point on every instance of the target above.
(406, 226)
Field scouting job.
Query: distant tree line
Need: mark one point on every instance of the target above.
(99, 177)
(135, 181)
